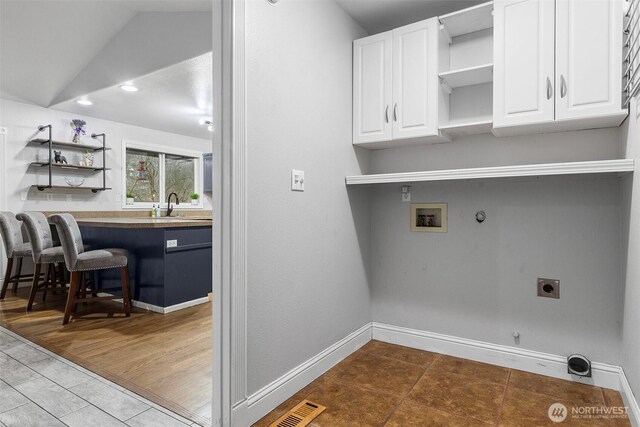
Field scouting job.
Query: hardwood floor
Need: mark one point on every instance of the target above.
(164, 358)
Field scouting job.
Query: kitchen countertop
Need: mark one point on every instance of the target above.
(164, 222)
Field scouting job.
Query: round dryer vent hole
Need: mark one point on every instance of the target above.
(548, 288)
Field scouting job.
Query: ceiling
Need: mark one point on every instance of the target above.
(376, 16)
(53, 52)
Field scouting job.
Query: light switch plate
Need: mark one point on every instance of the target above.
(406, 193)
(23, 196)
(49, 197)
(3, 131)
(297, 180)
(172, 243)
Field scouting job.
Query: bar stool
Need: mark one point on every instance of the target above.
(78, 261)
(15, 248)
(44, 252)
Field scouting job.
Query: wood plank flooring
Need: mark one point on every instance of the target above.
(164, 358)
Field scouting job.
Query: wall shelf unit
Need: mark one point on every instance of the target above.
(51, 166)
(548, 169)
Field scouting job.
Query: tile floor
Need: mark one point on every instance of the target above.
(384, 384)
(40, 389)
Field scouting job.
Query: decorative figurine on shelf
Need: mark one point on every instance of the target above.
(59, 158)
(78, 130)
(88, 159)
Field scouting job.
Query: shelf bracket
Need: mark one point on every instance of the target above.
(446, 33)
(445, 86)
(104, 158)
(41, 128)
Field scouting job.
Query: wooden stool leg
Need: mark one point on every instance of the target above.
(71, 298)
(50, 280)
(7, 277)
(34, 284)
(126, 291)
(17, 277)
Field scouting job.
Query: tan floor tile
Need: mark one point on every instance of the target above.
(527, 409)
(458, 394)
(612, 399)
(481, 371)
(381, 373)
(577, 393)
(290, 403)
(405, 354)
(350, 405)
(410, 414)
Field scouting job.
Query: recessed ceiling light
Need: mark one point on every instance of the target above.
(84, 102)
(210, 127)
(129, 88)
(202, 121)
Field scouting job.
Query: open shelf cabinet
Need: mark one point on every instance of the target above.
(546, 169)
(465, 51)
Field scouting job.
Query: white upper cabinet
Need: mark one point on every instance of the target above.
(574, 82)
(588, 58)
(523, 62)
(395, 84)
(372, 88)
(415, 80)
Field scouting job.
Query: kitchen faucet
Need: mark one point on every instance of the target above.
(169, 207)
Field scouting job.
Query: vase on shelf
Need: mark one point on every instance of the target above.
(88, 158)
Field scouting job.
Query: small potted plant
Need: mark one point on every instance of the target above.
(195, 197)
(130, 199)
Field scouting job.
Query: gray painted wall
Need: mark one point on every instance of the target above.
(478, 281)
(307, 262)
(630, 136)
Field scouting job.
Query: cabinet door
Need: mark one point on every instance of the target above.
(372, 89)
(415, 80)
(588, 58)
(523, 47)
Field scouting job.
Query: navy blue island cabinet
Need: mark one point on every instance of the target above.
(167, 266)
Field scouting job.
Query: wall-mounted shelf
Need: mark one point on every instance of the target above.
(468, 128)
(73, 167)
(51, 166)
(547, 169)
(469, 20)
(467, 76)
(68, 187)
(62, 144)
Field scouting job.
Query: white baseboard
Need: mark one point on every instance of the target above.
(171, 308)
(157, 308)
(630, 401)
(266, 399)
(551, 365)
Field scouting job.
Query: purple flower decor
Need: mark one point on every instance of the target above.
(77, 125)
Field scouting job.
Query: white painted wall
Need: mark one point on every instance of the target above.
(22, 120)
(630, 136)
(307, 252)
(478, 281)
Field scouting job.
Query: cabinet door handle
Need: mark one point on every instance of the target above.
(386, 114)
(549, 88)
(563, 86)
(395, 112)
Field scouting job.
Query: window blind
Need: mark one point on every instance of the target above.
(631, 65)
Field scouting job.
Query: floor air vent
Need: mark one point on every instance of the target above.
(301, 415)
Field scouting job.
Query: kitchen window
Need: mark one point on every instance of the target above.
(151, 173)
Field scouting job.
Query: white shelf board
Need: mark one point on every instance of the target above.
(468, 76)
(468, 20)
(572, 168)
(468, 128)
